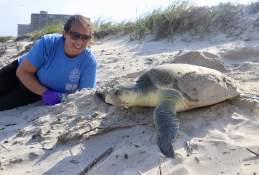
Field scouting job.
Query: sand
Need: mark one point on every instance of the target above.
(66, 138)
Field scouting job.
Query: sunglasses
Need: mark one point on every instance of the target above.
(77, 36)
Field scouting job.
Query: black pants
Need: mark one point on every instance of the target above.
(12, 91)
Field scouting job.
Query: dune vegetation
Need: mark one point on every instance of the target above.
(181, 18)
(177, 18)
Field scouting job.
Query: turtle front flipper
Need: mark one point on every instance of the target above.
(167, 126)
(165, 120)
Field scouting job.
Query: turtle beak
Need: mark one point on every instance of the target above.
(108, 99)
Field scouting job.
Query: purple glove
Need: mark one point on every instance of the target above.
(50, 97)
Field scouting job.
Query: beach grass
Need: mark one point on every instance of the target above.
(53, 28)
(177, 18)
(5, 38)
(180, 18)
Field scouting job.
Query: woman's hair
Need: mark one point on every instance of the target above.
(78, 19)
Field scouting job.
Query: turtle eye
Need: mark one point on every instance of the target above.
(117, 93)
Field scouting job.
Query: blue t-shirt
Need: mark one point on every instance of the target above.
(56, 70)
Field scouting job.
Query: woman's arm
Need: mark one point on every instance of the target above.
(26, 73)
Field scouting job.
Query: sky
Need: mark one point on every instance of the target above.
(15, 12)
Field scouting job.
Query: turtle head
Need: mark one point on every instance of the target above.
(121, 96)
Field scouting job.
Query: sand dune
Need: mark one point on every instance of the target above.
(66, 138)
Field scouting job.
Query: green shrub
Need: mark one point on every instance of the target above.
(105, 28)
(5, 38)
(53, 28)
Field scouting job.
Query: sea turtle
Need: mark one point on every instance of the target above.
(172, 88)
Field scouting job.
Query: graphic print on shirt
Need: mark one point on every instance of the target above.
(74, 77)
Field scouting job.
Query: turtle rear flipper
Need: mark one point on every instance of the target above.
(167, 126)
